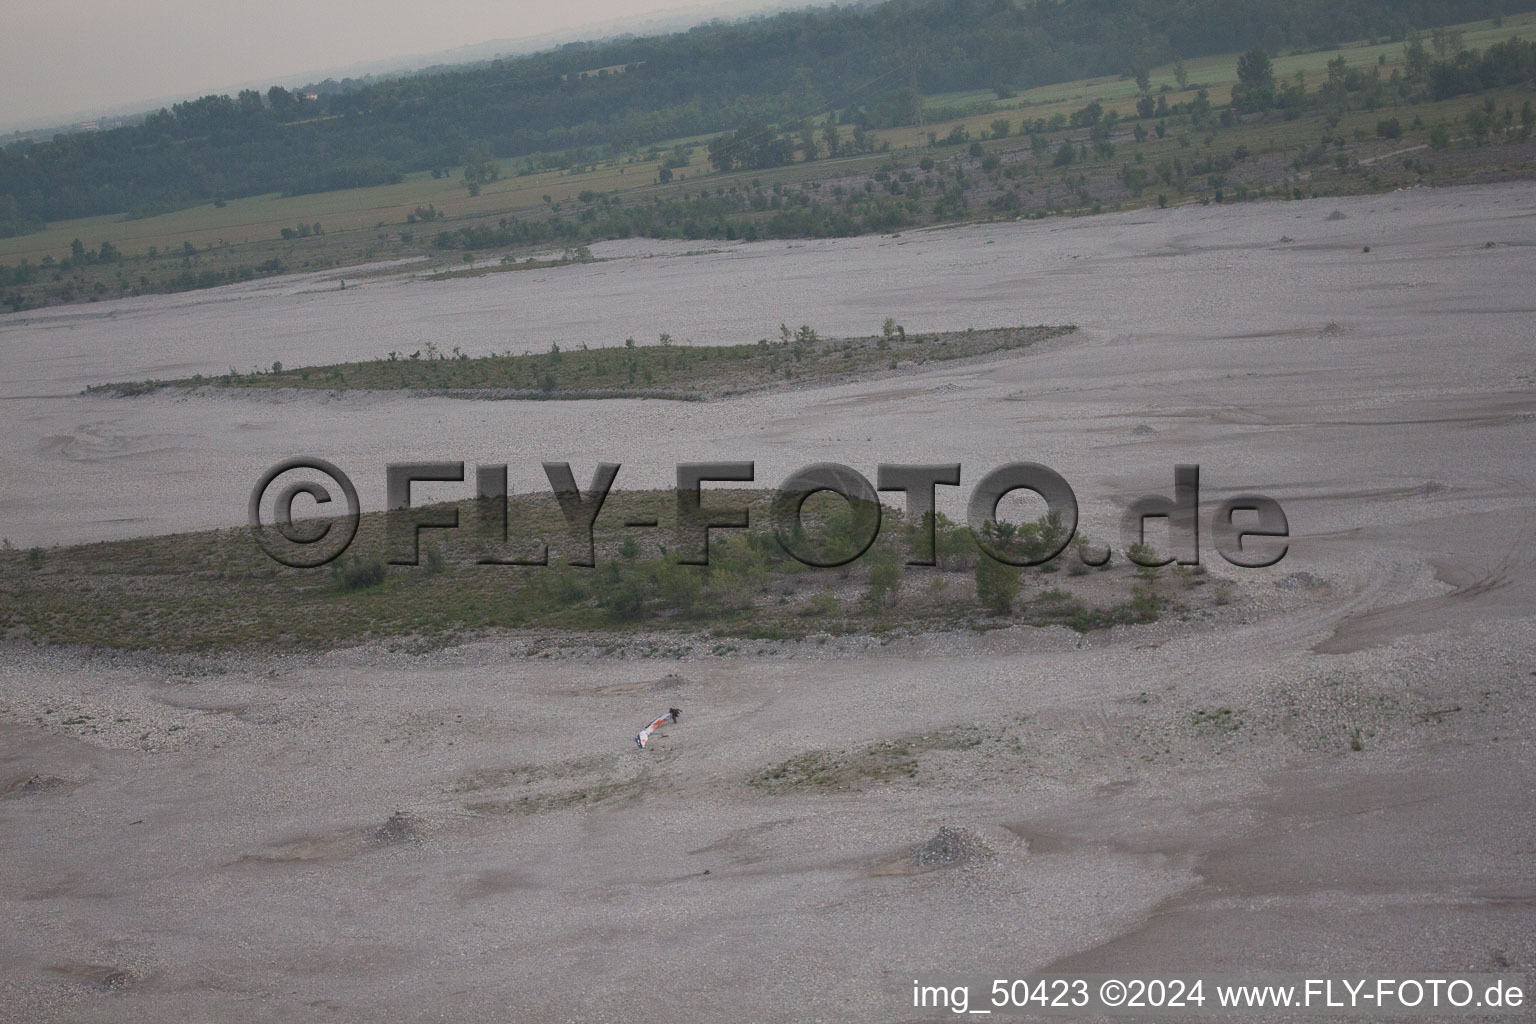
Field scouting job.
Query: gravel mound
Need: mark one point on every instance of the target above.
(952, 846)
(399, 828)
(1301, 579)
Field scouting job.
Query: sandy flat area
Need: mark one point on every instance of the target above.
(471, 833)
(1259, 340)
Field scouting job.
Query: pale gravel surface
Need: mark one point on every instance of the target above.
(1198, 323)
(214, 842)
(234, 872)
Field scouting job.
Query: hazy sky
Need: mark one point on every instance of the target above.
(68, 56)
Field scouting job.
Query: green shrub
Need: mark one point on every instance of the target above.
(358, 573)
(823, 605)
(884, 577)
(680, 587)
(435, 563)
(625, 591)
(1143, 554)
(997, 585)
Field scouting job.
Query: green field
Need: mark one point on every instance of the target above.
(208, 244)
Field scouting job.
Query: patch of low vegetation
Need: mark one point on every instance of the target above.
(841, 770)
(217, 590)
(1216, 721)
(576, 796)
(660, 370)
(895, 759)
(358, 573)
(525, 789)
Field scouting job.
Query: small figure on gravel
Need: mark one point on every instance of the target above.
(644, 735)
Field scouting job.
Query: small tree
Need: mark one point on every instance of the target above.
(1255, 88)
(1180, 75)
(1145, 557)
(830, 137)
(997, 582)
(1254, 69)
(1416, 59)
(997, 585)
(1088, 116)
(884, 578)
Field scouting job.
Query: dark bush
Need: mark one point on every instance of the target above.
(359, 573)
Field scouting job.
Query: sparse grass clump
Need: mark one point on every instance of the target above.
(891, 760)
(1216, 722)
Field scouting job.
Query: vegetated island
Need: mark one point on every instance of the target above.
(216, 590)
(663, 370)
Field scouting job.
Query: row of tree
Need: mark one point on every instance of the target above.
(1458, 72)
(869, 63)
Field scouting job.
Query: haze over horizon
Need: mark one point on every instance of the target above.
(84, 57)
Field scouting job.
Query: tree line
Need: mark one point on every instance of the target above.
(866, 65)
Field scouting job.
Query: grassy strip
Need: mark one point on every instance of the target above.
(646, 371)
(510, 264)
(216, 590)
